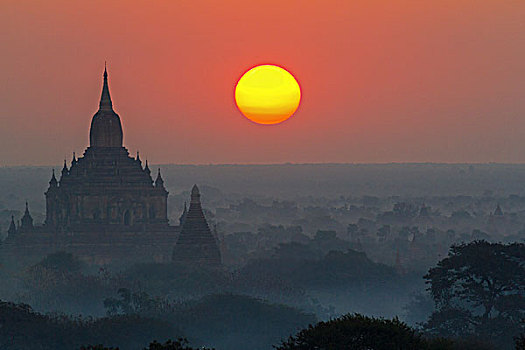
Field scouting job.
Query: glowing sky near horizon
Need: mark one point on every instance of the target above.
(383, 81)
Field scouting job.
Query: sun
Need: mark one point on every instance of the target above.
(267, 94)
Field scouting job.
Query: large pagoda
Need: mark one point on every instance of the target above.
(106, 189)
(105, 206)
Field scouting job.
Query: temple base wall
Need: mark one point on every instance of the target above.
(117, 248)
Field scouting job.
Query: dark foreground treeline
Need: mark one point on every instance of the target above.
(24, 329)
(477, 291)
(231, 321)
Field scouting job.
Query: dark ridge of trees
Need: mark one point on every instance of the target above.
(22, 328)
(180, 281)
(180, 344)
(59, 282)
(358, 332)
(226, 321)
(293, 263)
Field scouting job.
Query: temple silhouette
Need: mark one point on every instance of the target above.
(107, 208)
(196, 242)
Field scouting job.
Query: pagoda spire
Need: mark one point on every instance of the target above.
(64, 168)
(53, 181)
(159, 182)
(195, 195)
(106, 129)
(105, 99)
(27, 220)
(12, 227)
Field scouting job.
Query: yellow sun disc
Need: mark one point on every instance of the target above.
(267, 94)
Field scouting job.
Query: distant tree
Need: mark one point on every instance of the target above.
(61, 261)
(370, 201)
(132, 303)
(460, 215)
(352, 230)
(405, 210)
(294, 251)
(325, 235)
(431, 234)
(383, 232)
(405, 232)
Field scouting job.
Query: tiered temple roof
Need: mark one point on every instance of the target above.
(196, 243)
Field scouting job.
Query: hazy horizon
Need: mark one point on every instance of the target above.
(60, 165)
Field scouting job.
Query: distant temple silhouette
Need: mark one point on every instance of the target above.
(106, 207)
(196, 242)
(498, 211)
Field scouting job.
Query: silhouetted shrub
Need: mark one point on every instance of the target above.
(358, 332)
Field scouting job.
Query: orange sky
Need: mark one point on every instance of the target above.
(382, 80)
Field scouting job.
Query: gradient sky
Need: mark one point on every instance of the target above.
(382, 80)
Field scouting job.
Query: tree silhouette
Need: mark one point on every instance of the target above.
(480, 274)
(478, 291)
(355, 331)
